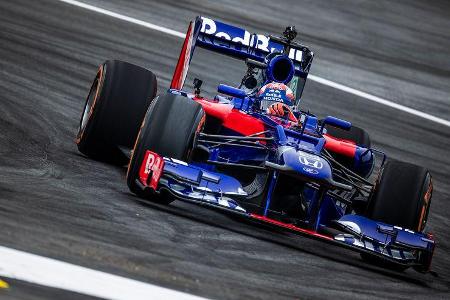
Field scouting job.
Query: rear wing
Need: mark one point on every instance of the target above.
(238, 43)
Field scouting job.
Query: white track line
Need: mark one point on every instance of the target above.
(52, 273)
(125, 18)
(318, 79)
(379, 100)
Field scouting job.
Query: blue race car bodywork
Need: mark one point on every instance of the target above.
(251, 160)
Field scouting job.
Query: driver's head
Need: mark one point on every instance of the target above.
(275, 92)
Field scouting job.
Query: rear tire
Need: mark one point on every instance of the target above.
(169, 129)
(114, 109)
(402, 198)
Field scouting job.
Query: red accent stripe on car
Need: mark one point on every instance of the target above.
(344, 147)
(290, 227)
(231, 118)
(182, 67)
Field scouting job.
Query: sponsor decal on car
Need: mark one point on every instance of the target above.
(310, 170)
(262, 42)
(310, 161)
(151, 169)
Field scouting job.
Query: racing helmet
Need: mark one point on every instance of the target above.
(275, 92)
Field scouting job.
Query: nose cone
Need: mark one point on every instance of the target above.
(308, 165)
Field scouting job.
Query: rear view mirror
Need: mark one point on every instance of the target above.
(336, 122)
(231, 91)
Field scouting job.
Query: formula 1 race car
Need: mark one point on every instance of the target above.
(315, 177)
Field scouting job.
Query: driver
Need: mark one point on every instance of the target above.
(277, 99)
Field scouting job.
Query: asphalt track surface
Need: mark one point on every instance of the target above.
(55, 202)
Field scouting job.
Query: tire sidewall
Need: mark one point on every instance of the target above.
(84, 133)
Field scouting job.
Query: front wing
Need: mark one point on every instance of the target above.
(193, 184)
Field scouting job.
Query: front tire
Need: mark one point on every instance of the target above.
(169, 129)
(402, 198)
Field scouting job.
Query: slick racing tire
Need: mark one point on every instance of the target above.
(170, 129)
(114, 109)
(402, 198)
(355, 134)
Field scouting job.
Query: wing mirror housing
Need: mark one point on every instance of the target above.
(231, 91)
(336, 122)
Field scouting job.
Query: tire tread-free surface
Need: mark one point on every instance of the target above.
(400, 195)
